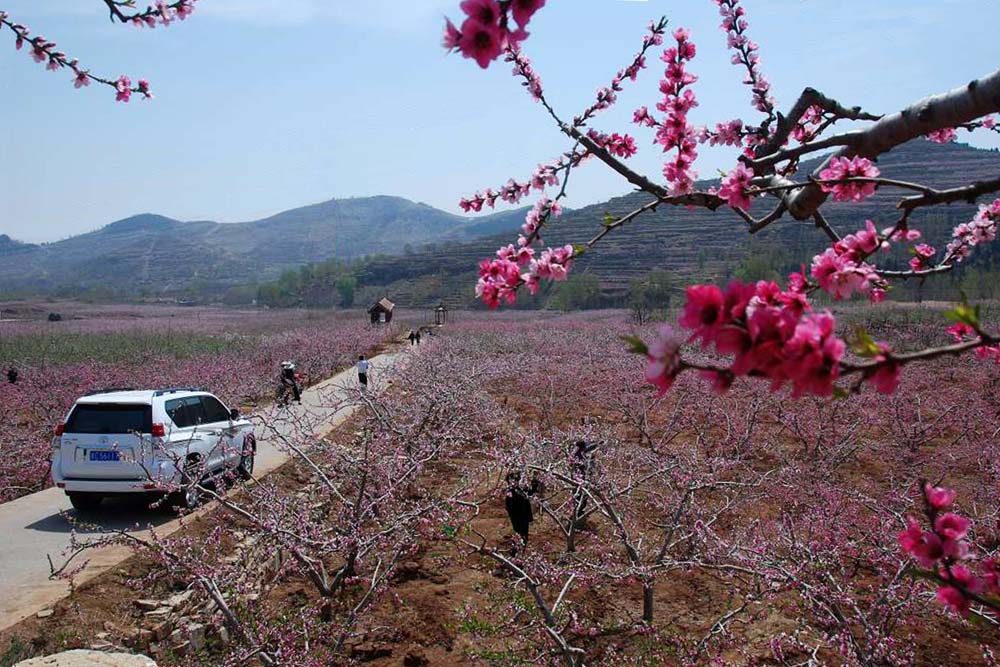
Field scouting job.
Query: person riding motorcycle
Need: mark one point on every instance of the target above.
(290, 380)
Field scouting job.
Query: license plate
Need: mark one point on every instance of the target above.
(104, 456)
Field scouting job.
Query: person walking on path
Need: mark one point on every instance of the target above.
(418, 336)
(413, 337)
(363, 371)
(12, 375)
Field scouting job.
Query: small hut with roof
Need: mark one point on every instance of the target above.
(381, 312)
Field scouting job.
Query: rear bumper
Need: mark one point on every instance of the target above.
(109, 486)
(117, 486)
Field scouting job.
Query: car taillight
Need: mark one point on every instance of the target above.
(159, 431)
(60, 428)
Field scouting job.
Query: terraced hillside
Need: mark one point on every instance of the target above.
(695, 241)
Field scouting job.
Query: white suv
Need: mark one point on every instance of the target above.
(157, 441)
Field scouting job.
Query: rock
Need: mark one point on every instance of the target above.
(440, 579)
(179, 600)
(159, 612)
(161, 630)
(145, 638)
(45, 613)
(196, 636)
(147, 605)
(415, 658)
(370, 651)
(83, 658)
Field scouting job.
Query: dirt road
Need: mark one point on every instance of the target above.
(37, 525)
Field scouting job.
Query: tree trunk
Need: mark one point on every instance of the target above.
(647, 601)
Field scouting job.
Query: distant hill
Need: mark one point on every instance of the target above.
(157, 255)
(9, 246)
(697, 242)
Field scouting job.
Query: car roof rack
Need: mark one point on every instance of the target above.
(173, 390)
(108, 390)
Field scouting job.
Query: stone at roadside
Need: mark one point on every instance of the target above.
(84, 658)
(180, 599)
(366, 651)
(145, 638)
(159, 612)
(415, 658)
(45, 613)
(161, 630)
(196, 636)
(147, 605)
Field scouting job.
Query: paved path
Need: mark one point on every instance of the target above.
(35, 525)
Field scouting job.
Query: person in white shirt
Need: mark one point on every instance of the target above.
(363, 371)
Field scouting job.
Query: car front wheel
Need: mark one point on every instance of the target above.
(85, 502)
(245, 467)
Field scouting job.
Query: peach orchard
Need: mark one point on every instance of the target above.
(780, 495)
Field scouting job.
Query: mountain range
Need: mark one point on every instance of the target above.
(160, 255)
(421, 254)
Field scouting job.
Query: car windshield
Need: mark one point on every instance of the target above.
(110, 418)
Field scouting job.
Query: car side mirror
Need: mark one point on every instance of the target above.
(234, 414)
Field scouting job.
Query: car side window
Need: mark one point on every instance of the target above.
(215, 411)
(185, 412)
(175, 410)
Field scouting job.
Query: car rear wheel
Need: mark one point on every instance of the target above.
(85, 502)
(189, 497)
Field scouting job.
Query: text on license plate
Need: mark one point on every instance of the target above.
(104, 455)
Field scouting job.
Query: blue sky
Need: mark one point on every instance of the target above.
(265, 105)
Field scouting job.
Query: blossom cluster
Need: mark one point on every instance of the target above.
(512, 192)
(735, 185)
(944, 550)
(516, 266)
(44, 51)
(981, 229)
(523, 69)
(840, 169)
(948, 134)
(770, 333)
(485, 33)
(674, 132)
(841, 270)
(943, 136)
(962, 332)
(163, 13)
(805, 130)
(922, 256)
(619, 145)
(729, 133)
(735, 25)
